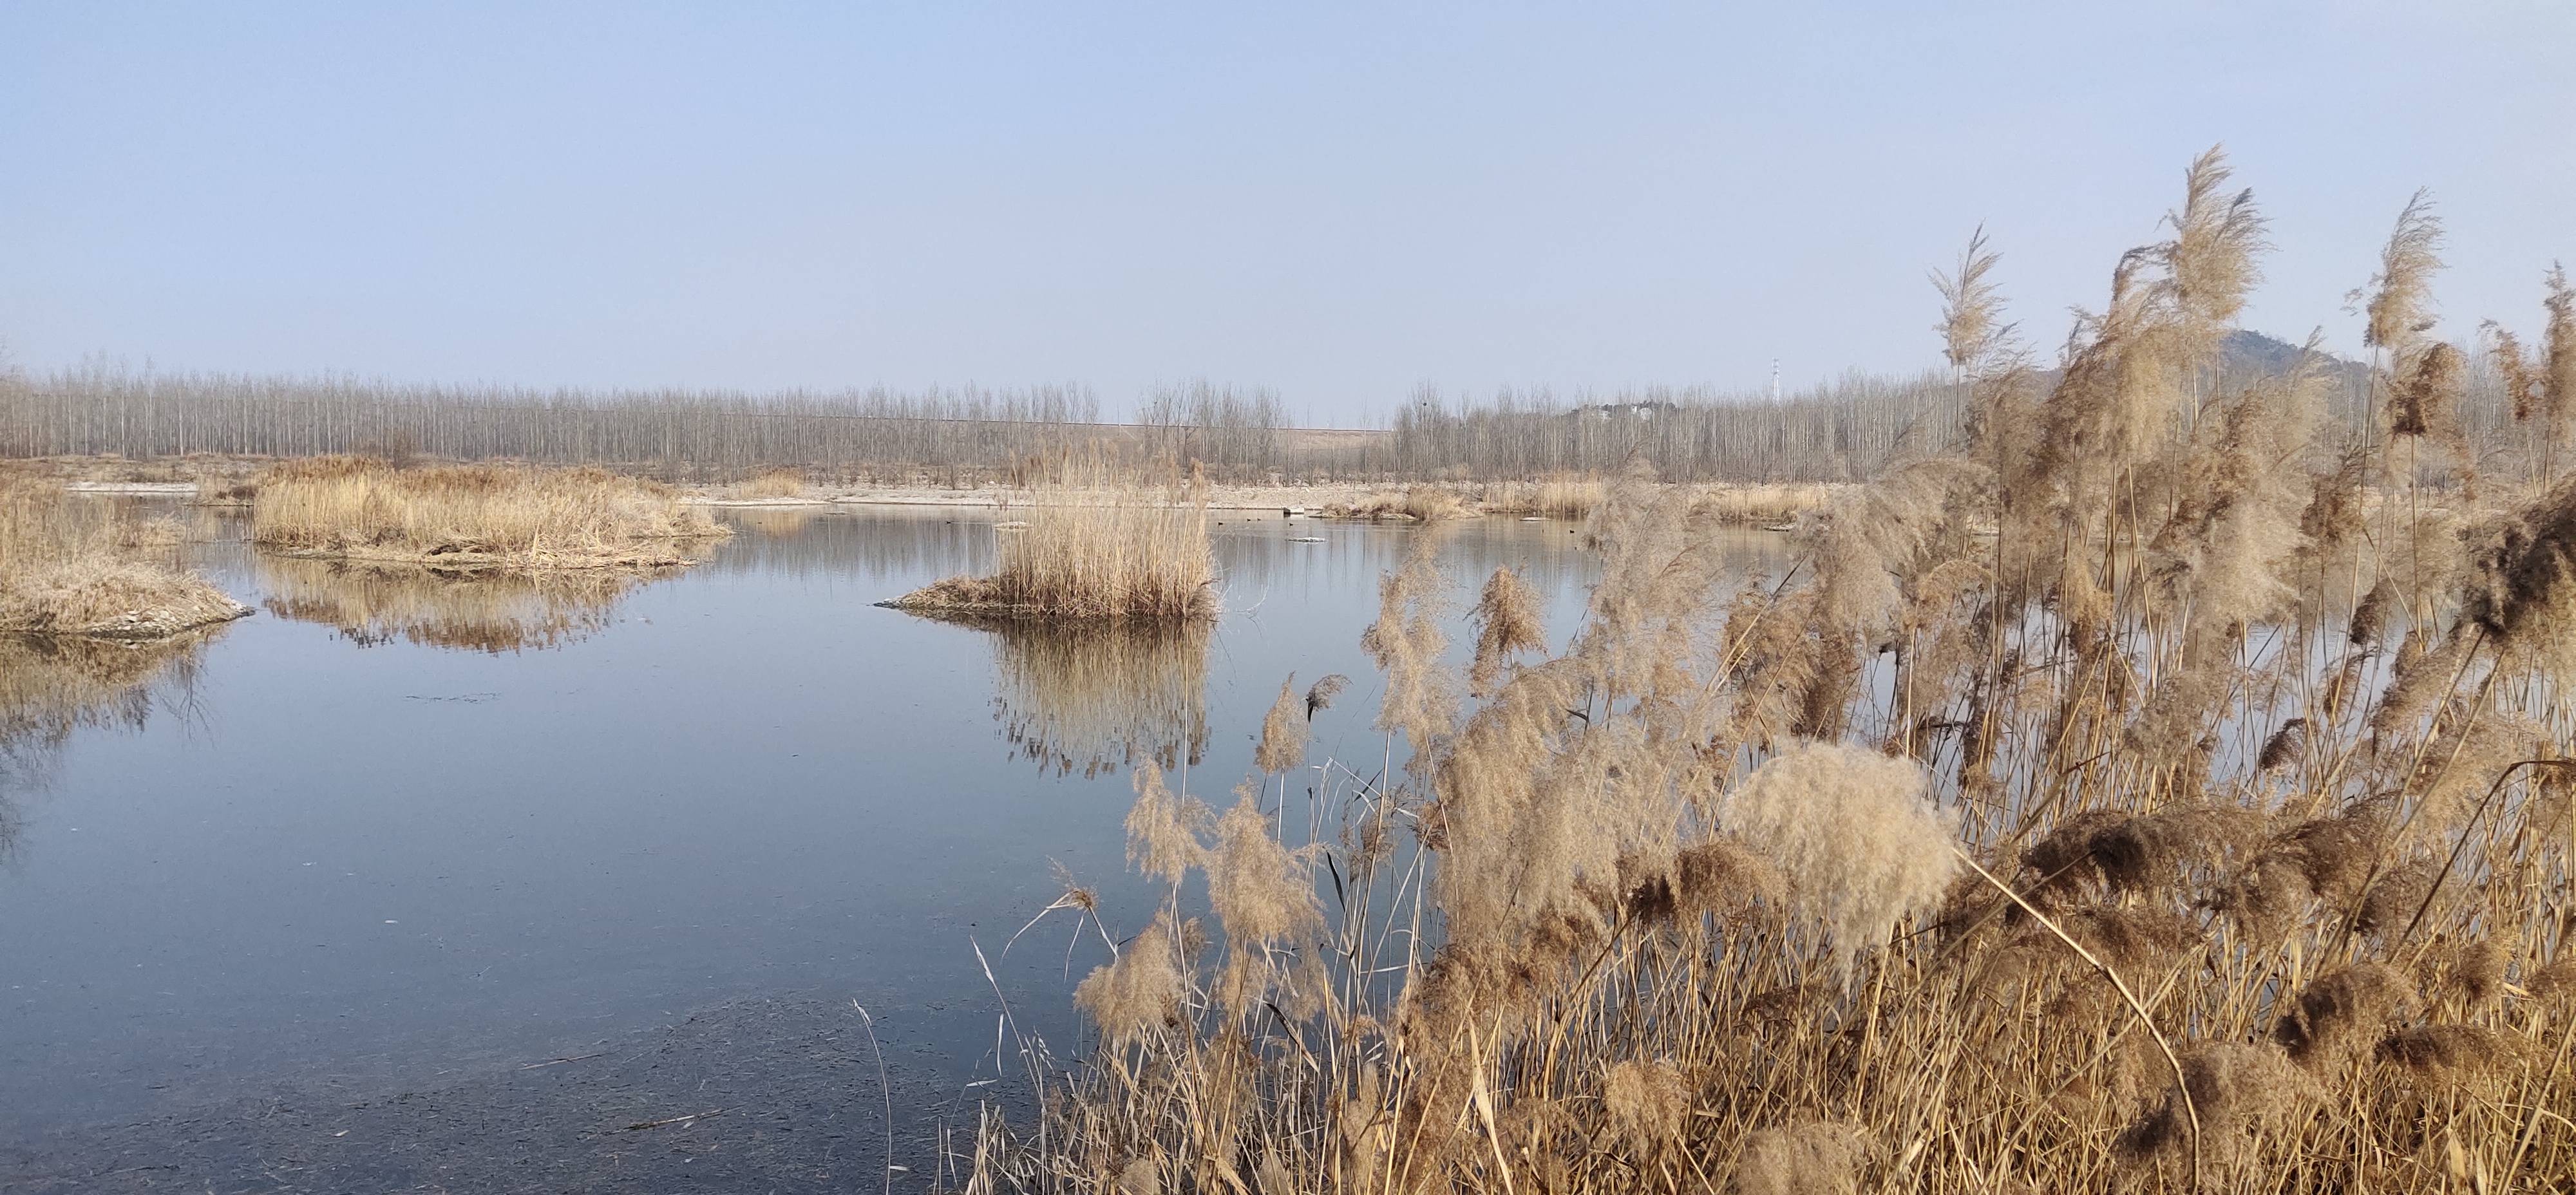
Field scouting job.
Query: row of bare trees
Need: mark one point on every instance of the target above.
(1844, 430)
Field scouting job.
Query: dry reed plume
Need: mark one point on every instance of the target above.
(1096, 546)
(2129, 802)
(473, 516)
(77, 567)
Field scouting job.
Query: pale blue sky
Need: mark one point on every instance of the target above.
(1340, 201)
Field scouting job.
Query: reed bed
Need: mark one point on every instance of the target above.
(1418, 503)
(775, 484)
(1766, 505)
(1094, 546)
(474, 515)
(2119, 803)
(75, 566)
(1561, 497)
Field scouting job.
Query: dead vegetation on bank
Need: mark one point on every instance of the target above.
(1575, 498)
(1416, 504)
(1095, 545)
(474, 516)
(1561, 497)
(2119, 804)
(81, 566)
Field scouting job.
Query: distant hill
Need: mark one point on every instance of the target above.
(2250, 352)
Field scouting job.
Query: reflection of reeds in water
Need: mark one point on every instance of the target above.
(1095, 696)
(781, 523)
(483, 610)
(51, 686)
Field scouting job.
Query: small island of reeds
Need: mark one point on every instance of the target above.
(474, 516)
(1091, 548)
(76, 567)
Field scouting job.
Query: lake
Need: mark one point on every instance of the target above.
(389, 833)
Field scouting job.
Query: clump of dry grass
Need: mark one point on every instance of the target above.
(1559, 497)
(1417, 503)
(474, 516)
(1765, 504)
(1684, 905)
(1095, 547)
(78, 567)
(776, 483)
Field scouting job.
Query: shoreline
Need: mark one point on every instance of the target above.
(226, 481)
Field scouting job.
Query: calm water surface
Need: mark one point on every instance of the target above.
(388, 830)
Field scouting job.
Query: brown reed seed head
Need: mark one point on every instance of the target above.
(2235, 1088)
(1163, 828)
(2521, 587)
(2452, 1054)
(2426, 400)
(1320, 695)
(1971, 327)
(1507, 622)
(2396, 312)
(1852, 831)
(2515, 371)
(2343, 1013)
(2211, 262)
(1140, 990)
(2465, 975)
(1261, 890)
(1283, 732)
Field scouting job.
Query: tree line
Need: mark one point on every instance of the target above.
(1843, 430)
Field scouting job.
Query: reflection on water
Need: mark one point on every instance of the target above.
(483, 610)
(51, 687)
(1093, 698)
(872, 542)
(755, 781)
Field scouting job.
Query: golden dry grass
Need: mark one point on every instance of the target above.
(1093, 547)
(78, 566)
(1418, 503)
(777, 483)
(1563, 497)
(1766, 504)
(2098, 810)
(474, 515)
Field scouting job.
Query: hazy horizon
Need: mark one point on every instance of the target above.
(1338, 203)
